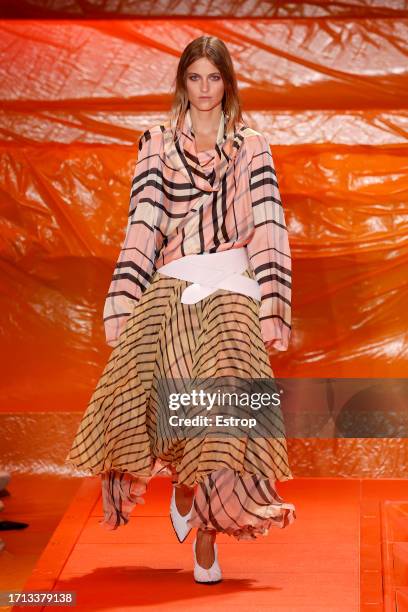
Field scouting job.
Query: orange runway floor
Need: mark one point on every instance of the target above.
(341, 554)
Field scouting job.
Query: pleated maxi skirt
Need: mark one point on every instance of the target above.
(233, 477)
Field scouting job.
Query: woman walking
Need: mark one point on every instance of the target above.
(201, 290)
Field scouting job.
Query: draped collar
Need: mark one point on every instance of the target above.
(181, 153)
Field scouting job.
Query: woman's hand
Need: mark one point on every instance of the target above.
(268, 344)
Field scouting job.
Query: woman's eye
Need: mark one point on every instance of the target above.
(214, 77)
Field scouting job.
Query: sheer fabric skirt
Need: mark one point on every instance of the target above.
(234, 477)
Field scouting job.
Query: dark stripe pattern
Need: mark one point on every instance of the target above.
(163, 338)
(185, 202)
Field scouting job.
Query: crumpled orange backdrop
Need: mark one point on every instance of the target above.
(331, 94)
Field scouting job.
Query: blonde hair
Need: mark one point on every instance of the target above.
(215, 50)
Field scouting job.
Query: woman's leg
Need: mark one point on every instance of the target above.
(205, 547)
(204, 539)
(184, 498)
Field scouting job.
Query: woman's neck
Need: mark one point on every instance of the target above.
(206, 122)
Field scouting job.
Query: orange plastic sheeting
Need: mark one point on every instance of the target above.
(338, 82)
(75, 98)
(375, 127)
(121, 65)
(202, 8)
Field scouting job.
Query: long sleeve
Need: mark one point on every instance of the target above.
(136, 261)
(268, 248)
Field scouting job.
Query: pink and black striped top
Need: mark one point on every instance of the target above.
(184, 202)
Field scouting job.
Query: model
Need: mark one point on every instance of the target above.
(201, 291)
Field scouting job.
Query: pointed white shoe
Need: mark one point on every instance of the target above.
(179, 521)
(211, 575)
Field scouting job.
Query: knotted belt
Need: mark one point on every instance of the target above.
(211, 271)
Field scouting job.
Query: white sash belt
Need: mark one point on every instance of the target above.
(211, 271)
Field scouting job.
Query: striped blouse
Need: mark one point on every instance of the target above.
(184, 202)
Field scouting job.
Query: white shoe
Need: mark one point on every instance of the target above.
(179, 521)
(210, 575)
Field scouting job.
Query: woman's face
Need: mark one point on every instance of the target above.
(205, 87)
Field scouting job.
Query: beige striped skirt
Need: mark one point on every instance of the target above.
(117, 438)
